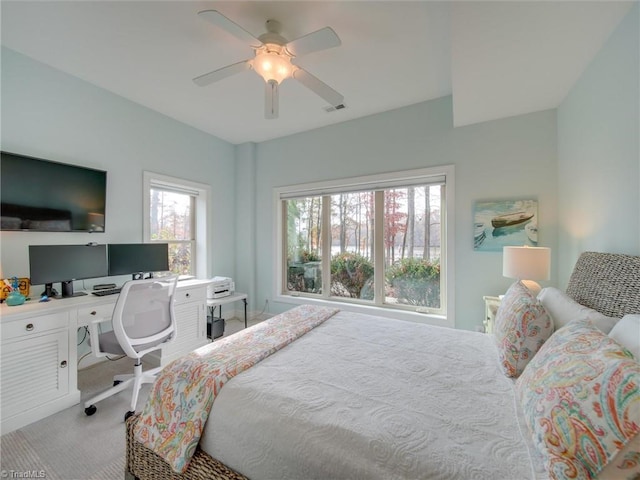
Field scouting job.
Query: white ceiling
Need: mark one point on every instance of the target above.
(498, 59)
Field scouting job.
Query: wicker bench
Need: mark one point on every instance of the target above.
(143, 463)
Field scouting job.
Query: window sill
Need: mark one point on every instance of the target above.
(388, 312)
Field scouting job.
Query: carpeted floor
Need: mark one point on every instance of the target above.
(71, 446)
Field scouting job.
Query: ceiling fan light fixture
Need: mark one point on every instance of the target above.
(272, 63)
(272, 60)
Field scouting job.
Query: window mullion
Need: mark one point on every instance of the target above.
(443, 248)
(326, 246)
(378, 248)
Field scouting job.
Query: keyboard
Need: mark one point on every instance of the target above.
(108, 291)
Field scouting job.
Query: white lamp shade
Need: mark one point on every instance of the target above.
(526, 263)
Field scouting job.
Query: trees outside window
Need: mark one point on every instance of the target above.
(173, 222)
(384, 244)
(304, 245)
(175, 212)
(413, 226)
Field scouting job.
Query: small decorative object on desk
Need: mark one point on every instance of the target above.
(6, 287)
(15, 297)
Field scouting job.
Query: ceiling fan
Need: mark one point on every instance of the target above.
(273, 60)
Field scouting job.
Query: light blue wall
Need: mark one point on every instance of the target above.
(247, 240)
(598, 154)
(49, 114)
(510, 158)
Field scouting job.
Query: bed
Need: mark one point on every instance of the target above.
(358, 396)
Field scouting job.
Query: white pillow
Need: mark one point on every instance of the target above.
(563, 309)
(627, 333)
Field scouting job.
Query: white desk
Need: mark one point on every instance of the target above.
(39, 352)
(212, 303)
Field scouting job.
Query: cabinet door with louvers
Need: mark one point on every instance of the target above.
(34, 370)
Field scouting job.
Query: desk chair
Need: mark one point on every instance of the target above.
(143, 321)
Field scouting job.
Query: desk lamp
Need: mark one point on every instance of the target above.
(527, 264)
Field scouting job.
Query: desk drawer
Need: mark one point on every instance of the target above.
(192, 294)
(86, 315)
(34, 325)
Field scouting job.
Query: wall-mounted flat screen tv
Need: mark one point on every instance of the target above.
(46, 196)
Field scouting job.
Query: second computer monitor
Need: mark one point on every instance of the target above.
(137, 258)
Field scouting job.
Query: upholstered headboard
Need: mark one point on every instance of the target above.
(607, 282)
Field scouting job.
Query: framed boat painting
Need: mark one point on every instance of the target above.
(504, 222)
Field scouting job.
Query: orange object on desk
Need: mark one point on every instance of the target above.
(23, 287)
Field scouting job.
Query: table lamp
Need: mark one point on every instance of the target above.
(527, 264)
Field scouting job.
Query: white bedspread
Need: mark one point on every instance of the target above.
(362, 397)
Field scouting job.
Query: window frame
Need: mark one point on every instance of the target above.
(386, 180)
(201, 194)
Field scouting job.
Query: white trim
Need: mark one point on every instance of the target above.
(427, 175)
(174, 188)
(326, 241)
(378, 246)
(187, 186)
(422, 176)
(448, 262)
(382, 311)
(278, 285)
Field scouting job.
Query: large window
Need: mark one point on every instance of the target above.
(377, 241)
(175, 213)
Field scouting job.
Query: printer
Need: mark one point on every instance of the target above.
(220, 287)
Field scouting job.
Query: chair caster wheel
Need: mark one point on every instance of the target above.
(90, 410)
(117, 382)
(128, 414)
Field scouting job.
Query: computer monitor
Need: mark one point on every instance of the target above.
(49, 264)
(138, 259)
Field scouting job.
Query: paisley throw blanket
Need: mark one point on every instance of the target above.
(181, 398)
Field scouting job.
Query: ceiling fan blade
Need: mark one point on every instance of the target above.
(224, 72)
(314, 42)
(216, 18)
(320, 88)
(271, 99)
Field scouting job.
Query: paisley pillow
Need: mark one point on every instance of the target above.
(522, 325)
(581, 401)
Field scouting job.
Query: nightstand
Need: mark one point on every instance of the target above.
(491, 305)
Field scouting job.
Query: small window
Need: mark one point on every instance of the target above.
(173, 222)
(176, 214)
